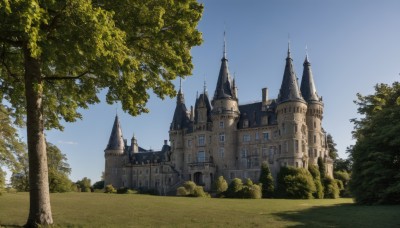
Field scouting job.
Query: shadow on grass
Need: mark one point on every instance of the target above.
(5, 225)
(344, 215)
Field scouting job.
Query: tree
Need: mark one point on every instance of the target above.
(98, 185)
(84, 184)
(333, 152)
(331, 189)
(375, 177)
(58, 170)
(319, 193)
(10, 144)
(295, 183)
(321, 167)
(20, 175)
(2, 181)
(220, 185)
(57, 55)
(267, 181)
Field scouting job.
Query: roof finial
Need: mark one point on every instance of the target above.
(224, 45)
(180, 85)
(306, 54)
(116, 110)
(288, 49)
(205, 85)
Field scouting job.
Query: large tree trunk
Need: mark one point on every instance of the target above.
(39, 209)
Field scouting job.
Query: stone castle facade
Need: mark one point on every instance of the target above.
(221, 137)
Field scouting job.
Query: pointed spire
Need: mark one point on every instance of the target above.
(224, 88)
(180, 98)
(224, 53)
(116, 141)
(289, 89)
(205, 85)
(307, 87)
(288, 50)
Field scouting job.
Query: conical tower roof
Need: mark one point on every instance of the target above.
(289, 89)
(116, 141)
(223, 89)
(307, 87)
(181, 119)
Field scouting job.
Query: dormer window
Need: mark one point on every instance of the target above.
(245, 123)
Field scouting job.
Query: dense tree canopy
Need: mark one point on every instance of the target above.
(333, 152)
(267, 181)
(375, 174)
(55, 56)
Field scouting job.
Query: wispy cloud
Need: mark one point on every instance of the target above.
(67, 142)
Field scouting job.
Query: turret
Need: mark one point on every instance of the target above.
(291, 111)
(316, 136)
(225, 116)
(114, 156)
(134, 145)
(180, 123)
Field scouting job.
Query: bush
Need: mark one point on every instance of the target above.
(109, 189)
(255, 191)
(267, 181)
(321, 167)
(331, 190)
(190, 188)
(234, 188)
(319, 189)
(220, 186)
(295, 183)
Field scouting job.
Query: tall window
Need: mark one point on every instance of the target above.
(222, 137)
(201, 156)
(246, 138)
(264, 152)
(257, 136)
(202, 140)
(315, 139)
(221, 152)
(221, 124)
(244, 152)
(266, 135)
(189, 143)
(297, 146)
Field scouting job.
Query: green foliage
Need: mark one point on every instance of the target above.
(98, 185)
(343, 177)
(181, 191)
(10, 144)
(220, 185)
(321, 167)
(109, 189)
(341, 164)
(84, 185)
(333, 152)
(2, 181)
(124, 191)
(375, 176)
(190, 188)
(295, 183)
(234, 188)
(267, 181)
(331, 189)
(58, 170)
(319, 193)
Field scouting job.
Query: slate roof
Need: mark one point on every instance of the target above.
(202, 98)
(253, 113)
(145, 156)
(181, 119)
(224, 88)
(307, 87)
(116, 141)
(289, 90)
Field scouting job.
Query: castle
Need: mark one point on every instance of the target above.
(220, 137)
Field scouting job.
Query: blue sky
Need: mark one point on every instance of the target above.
(352, 45)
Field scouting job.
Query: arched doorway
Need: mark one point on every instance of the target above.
(198, 178)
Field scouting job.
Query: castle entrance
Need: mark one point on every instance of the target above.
(198, 178)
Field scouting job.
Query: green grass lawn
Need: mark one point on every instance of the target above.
(112, 210)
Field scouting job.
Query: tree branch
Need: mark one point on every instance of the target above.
(53, 78)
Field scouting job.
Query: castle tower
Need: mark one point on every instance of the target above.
(180, 122)
(291, 112)
(225, 116)
(113, 154)
(316, 136)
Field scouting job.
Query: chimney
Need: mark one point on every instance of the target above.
(191, 113)
(264, 96)
(165, 142)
